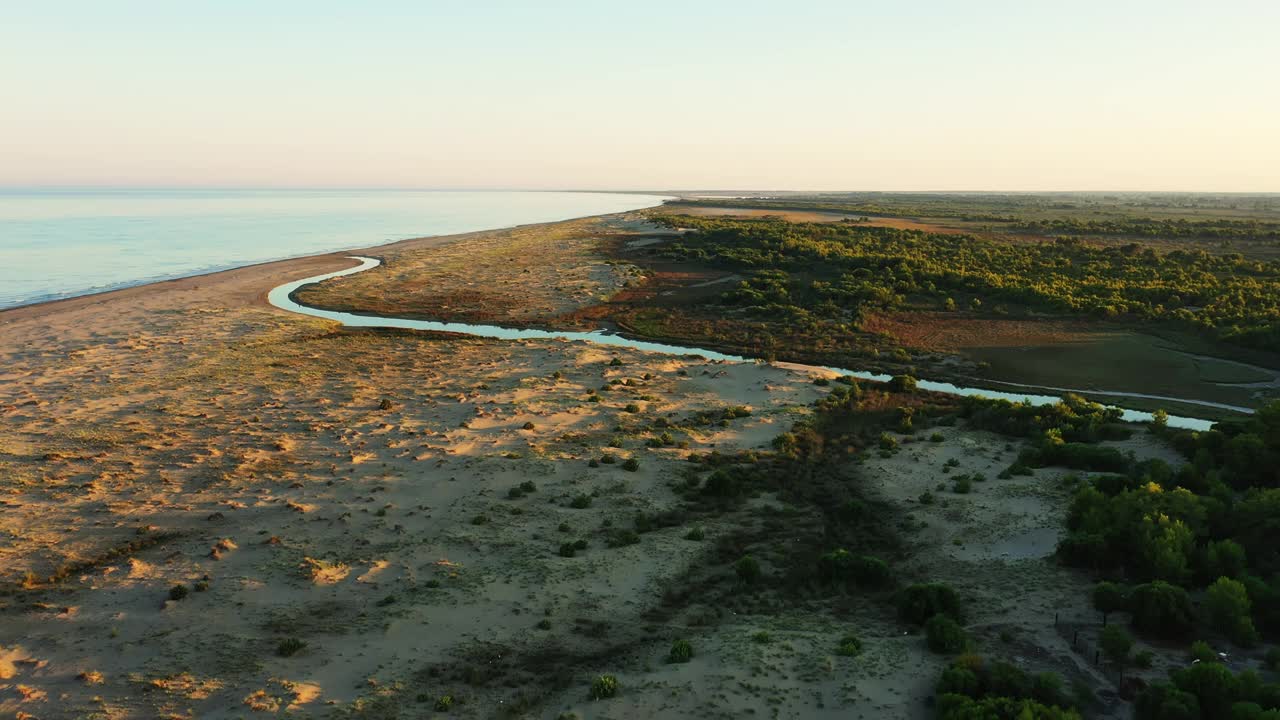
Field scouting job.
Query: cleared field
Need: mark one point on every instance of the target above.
(1076, 353)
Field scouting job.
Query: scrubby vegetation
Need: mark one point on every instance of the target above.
(820, 278)
(972, 687)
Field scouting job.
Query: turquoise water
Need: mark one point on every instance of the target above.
(61, 243)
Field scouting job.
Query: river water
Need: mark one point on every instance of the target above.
(280, 297)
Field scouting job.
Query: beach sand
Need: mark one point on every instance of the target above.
(364, 523)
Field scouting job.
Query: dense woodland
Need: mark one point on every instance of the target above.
(822, 273)
(1188, 553)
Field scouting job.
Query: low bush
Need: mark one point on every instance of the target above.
(603, 687)
(747, 569)
(289, 647)
(945, 635)
(849, 646)
(681, 652)
(917, 603)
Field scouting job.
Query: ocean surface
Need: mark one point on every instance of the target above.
(62, 243)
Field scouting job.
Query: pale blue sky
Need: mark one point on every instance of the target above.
(1125, 94)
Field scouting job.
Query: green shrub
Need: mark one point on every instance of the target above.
(945, 635)
(681, 652)
(917, 603)
(568, 550)
(696, 534)
(632, 408)
(748, 569)
(1115, 644)
(604, 686)
(631, 465)
(962, 485)
(480, 520)
(444, 703)
(902, 383)
(289, 647)
(580, 502)
(849, 646)
(870, 571)
(1202, 652)
(178, 592)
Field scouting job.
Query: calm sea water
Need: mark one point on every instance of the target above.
(63, 243)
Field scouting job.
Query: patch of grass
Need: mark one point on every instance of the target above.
(604, 686)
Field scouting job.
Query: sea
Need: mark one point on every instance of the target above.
(63, 243)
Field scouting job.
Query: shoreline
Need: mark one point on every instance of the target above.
(186, 282)
(362, 249)
(250, 285)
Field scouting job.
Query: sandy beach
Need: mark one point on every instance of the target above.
(214, 508)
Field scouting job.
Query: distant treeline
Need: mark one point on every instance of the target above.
(1153, 228)
(931, 209)
(814, 272)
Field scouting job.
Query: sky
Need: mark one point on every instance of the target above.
(622, 94)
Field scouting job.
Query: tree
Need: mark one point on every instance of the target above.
(1164, 701)
(1109, 597)
(1227, 606)
(1225, 558)
(1161, 609)
(945, 635)
(1213, 685)
(1116, 644)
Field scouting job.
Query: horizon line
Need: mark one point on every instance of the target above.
(637, 191)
